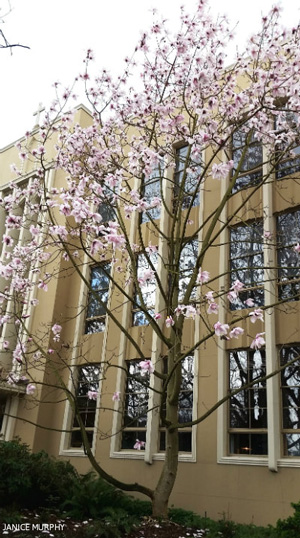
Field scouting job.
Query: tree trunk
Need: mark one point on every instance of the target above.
(168, 475)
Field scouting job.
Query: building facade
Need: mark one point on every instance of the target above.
(242, 460)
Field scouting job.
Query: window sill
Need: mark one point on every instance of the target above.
(139, 455)
(244, 460)
(289, 461)
(73, 452)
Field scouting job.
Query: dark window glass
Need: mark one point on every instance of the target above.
(136, 406)
(287, 121)
(251, 164)
(96, 308)
(186, 178)
(147, 288)
(252, 444)
(247, 408)
(185, 406)
(288, 235)
(247, 262)
(107, 207)
(152, 189)
(187, 262)
(290, 393)
(88, 380)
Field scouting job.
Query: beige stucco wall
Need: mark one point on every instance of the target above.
(242, 492)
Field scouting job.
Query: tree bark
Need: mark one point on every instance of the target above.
(168, 476)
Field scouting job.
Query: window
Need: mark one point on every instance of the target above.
(186, 178)
(147, 286)
(87, 381)
(152, 189)
(251, 166)
(288, 261)
(285, 121)
(136, 406)
(106, 208)
(290, 393)
(187, 262)
(185, 406)
(98, 298)
(247, 408)
(247, 262)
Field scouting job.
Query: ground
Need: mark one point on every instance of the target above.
(151, 528)
(32, 524)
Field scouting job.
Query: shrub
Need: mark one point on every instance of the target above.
(290, 527)
(30, 480)
(93, 497)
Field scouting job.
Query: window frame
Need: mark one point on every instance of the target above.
(257, 282)
(148, 288)
(105, 267)
(184, 434)
(289, 165)
(284, 388)
(249, 177)
(154, 179)
(179, 173)
(90, 407)
(281, 248)
(139, 431)
(235, 432)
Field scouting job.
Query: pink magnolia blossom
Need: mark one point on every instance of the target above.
(212, 308)
(258, 341)
(221, 170)
(7, 240)
(30, 389)
(179, 311)
(92, 394)
(237, 286)
(56, 329)
(170, 321)
(232, 296)
(221, 328)
(139, 444)
(190, 312)
(203, 276)
(236, 332)
(147, 367)
(43, 285)
(256, 314)
(297, 248)
(151, 249)
(268, 235)
(157, 316)
(209, 296)
(249, 302)
(116, 396)
(147, 276)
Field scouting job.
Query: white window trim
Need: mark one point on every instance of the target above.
(64, 448)
(274, 459)
(150, 453)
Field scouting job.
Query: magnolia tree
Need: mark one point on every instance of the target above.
(141, 165)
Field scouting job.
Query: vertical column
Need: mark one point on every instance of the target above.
(270, 280)
(222, 425)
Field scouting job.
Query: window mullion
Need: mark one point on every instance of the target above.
(270, 279)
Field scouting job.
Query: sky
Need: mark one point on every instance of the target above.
(59, 32)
